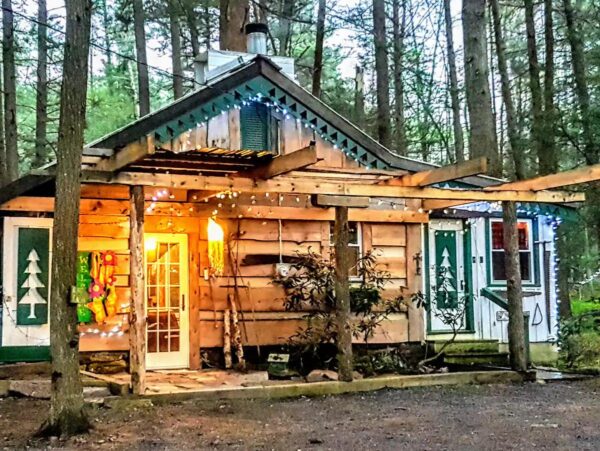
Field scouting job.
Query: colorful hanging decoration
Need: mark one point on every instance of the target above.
(96, 274)
(215, 247)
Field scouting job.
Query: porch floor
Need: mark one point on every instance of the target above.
(181, 381)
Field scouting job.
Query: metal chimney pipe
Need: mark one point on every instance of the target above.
(256, 38)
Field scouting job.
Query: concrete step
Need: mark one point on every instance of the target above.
(466, 346)
(477, 358)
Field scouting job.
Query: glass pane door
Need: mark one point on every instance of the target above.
(166, 297)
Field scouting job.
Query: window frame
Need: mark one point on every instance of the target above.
(532, 281)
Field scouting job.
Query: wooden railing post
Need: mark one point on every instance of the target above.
(137, 316)
(342, 294)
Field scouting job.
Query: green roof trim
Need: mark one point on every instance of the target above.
(259, 89)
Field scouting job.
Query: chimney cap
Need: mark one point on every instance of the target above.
(257, 27)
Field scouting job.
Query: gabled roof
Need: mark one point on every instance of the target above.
(261, 79)
(257, 79)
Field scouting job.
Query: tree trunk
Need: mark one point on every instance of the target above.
(232, 19)
(175, 51)
(549, 160)
(10, 92)
(3, 171)
(382, 74)
(341, 237)
(514, 138)
(359, 96)
(482, 138)
(142, 61)
(537, 122)
(514, 291)
(318, 64)
(137, 316)
(107, 42)
(562, 251)
(399, 29)
(581, 86)
(459, 146)
(192, 23)
(285, 26)
(41, 101)
(66, 406)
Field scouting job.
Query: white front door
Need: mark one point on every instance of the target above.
(447, 276)
(26, 281)
(167, 329)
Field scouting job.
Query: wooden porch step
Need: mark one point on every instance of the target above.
(466, 346)
(477, 358)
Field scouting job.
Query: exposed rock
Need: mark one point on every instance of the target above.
(107, 368)
(321, 375)
(31, 388)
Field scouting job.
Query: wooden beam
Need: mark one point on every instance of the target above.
(561, 179)
(327, 200)
(137, 315)
(435, 204)
(341, 236)
(300, 186)
(97, 152)
(283, 164)
(129, 154)
(467, 168)
(23, 185)
(205, 210)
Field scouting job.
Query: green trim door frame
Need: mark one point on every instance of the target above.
(467, 277)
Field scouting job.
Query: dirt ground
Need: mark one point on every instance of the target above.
(558, 415)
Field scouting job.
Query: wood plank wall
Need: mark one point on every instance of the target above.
(104, 225)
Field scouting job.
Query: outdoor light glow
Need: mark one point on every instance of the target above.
(150, 244)
(215, 247)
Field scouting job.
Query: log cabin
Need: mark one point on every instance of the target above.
(252, 160)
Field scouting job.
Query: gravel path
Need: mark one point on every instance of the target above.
(560, 415)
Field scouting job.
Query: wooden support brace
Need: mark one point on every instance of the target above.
(584, 174)
(467, 168)
(129, 154)
(283, 164)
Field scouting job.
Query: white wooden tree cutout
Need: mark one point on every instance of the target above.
(446, 273)
(32, 283)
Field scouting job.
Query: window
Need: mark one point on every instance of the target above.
(354, 245)
(259, 128)
(525, 251)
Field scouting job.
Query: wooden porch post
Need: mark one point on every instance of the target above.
(342, 294)
(514, 290)
(137, 317)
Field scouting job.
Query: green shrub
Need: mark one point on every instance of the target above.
(579, 341)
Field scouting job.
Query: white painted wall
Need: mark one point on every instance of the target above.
(489, 319)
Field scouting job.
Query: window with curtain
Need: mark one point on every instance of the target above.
(498, 264)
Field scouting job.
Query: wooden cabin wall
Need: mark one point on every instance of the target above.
(264, 318)
(224, 131)
(104, 225)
